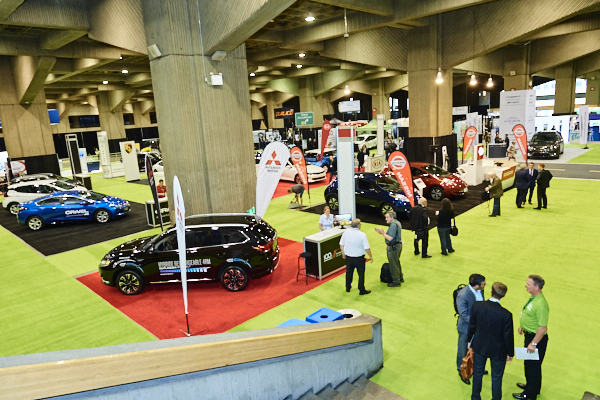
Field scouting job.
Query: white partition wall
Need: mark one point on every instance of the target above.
(345, 169)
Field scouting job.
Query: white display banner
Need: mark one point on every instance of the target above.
(517, 107)
(130, 161)
(272, 162)
(584, 119)
(83, 160)
(332, 138)
(103, 148)
(180, 225)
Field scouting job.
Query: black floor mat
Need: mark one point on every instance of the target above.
(54, 239)
(460, 204)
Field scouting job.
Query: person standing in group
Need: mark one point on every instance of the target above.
(298, 191)
(521, 183)
(326, 219)
(354, 244)
(543, 183)
(495, 189)
(533, 174)
(534, 325)
(393, 240)
(332, 167)
(361, 157)
(419, 223)
(465, 299)
(491, 336)
(444, 224)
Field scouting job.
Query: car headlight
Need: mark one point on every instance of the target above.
(400, 197)
(105, 262)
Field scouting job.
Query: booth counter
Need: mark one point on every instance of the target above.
(326, 254)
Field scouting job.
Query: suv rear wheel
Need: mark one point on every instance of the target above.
(130, 282)
(234, 278)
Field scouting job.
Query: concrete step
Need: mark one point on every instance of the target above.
(354, 392)
(379, 392)
(330, 393)
(308, 396)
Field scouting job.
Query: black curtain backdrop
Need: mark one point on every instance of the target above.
(423, 149)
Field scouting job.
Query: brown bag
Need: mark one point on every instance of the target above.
(466, 368)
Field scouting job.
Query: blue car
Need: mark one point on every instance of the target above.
(71, 205)
(311, 156)
(373, 190)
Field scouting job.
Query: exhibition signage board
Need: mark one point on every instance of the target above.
(470, 135)
(517, 108)
(584, 119)
(272, 162)
(284, 112)
(325, 135)
(73, 151)
(180, 226)
(401, 169)
(130, 163)
(349, 106)
(521, 138)
(152, 184)
(300, 164)
(304, 118)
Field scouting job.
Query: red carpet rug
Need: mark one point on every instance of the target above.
(283, 186)
(212, 309)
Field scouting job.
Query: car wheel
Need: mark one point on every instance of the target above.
(332, 202)
(297, 179)
(130, 282)
(436, 193)
(102, 216)
(234, 278)
(13, 208)
(35, 223)
(386, 208)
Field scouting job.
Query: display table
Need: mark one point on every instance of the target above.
(326, 253)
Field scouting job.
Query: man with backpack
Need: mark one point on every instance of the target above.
(465, 298)
(393, 240)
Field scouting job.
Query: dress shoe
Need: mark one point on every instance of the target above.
(466, 381)
(492, 215)
(544, 207)
(520, 396)
(401, 280)
(521, 385)
(417, 253)
(444, 254)
(450, 251)
(426, 256)
(365, 292)
(347, 289)
(530, 203)
(520, 207)
(392, 284)
(537, 208)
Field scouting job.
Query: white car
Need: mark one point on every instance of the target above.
(24, 192)
(290, 173)
(366, 139)
(158, 167)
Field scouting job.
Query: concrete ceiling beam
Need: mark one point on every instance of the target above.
(568, 27)
(64, 14)
(285, 85)
(117, 98)
(29, 74)
(136, 80)
(19, 46)
(53, 40)
(79, 66)
(587, 64)
(551, 52)
(377, 7)
(7, 7)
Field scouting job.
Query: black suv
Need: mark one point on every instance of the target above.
(546, 144)
(231, 248)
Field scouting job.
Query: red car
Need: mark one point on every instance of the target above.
(440, 183)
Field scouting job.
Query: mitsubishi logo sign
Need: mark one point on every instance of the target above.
(269, 162)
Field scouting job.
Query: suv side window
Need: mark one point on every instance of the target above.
(25, 189)
(362, 184)
(167, 243)
(233, 236)
(44, 189)
(205, 237)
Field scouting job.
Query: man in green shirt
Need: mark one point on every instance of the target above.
(534, 325)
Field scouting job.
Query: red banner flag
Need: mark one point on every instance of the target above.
(470, 134)
(401, 169)
(521, 137)
(300, 164)
(324, 136)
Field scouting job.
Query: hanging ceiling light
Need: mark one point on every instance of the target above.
(439, 78)
(473, 79)
(299, 66)
(252, 74)
(302, 55)
(490, 82)
(346, 89)
(105, 82)
(124, 71)
(309, 18)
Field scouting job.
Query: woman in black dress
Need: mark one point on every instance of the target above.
(444, 223)
(361, 157)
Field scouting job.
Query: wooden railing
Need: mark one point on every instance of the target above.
(72, 376)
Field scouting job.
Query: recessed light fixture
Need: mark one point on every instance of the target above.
(302, 55)
(309, 18)
(124, 71)
(105, 82)
(299, 66)
(120, 58)
(252, 74)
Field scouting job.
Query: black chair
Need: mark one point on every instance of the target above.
(302, 271)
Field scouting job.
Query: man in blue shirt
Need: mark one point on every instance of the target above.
(394, 247)
(354, 244)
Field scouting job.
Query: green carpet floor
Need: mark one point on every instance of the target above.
(45, 309)
(592, 156)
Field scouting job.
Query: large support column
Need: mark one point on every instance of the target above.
(515, 69)
(592, 95)
(206, 130)
(26, 127)
(273, 102)
(430, 102)
(110, 121)
(564, 98)
(308, 101)
(141, 113)
(379, 99)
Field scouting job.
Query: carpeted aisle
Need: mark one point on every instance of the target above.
(212, 309)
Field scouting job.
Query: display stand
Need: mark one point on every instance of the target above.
(152, 213)
(84, 179)
(326, 254)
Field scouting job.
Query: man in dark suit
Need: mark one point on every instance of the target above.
(419, 222)
(521, 183)
(543, 182)
(491, 336)
(465, 299)
(533, 174)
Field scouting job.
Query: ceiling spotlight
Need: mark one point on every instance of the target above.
(105, 82)
(490, 82)
(309, 18)
(299, 66)
(346, 89)
(252, 74)
(124, 71)
(120, 58)
(439, 78)
(473, 79)
(302, 55)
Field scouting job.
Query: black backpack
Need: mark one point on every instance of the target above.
(386, 275)
(454, 294)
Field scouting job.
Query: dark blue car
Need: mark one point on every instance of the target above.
(71, 205)
(373, 190)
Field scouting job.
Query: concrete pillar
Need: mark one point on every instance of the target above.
(141, 119)
(308, 101)
(379, 99)
(110, 121)
(430, 102)
(564, 97)
(26, 128)
(273, 102)
(515, 69)
(592, 95)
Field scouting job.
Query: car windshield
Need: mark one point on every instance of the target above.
(544, 137)
(92, 196)
(389, 183)
(435, 170)
(64, 185)
(152, 240)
